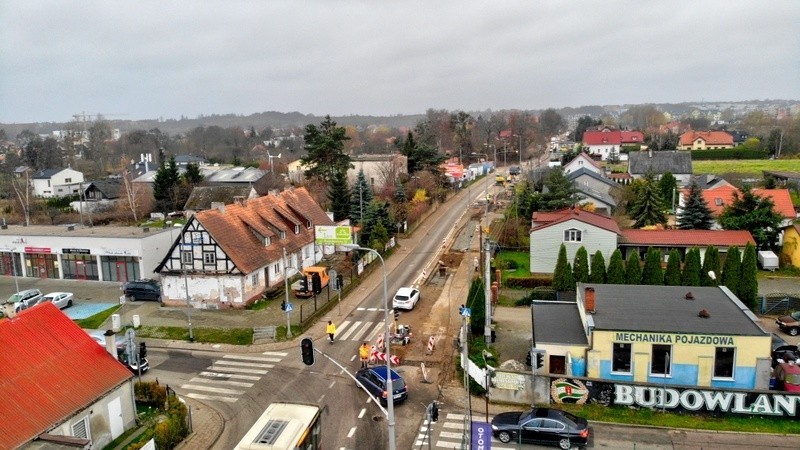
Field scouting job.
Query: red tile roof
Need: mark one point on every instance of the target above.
(49, 369)
(722, 196)
(686, 238)
(234, 228)
(545, 219)
(594, 137)
(711, 137)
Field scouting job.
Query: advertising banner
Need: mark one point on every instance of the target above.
(481, 436)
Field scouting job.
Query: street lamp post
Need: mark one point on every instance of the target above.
(389, 389)
(520, 149)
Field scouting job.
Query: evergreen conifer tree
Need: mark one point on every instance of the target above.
(633, 269)
(748, 283)
(652, 273)
(648, 207)
(691, 268)
(580, 270)
(559, 192)
(732, 269)
(476, 301)
(755, 214)
(360, 198)
(339, 196)
(560, 272)
(598, 274)
(672, 276)
(695, 214)
(710, 264)
(616, 269)
(569, 279)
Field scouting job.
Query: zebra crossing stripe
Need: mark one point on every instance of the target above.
(197, 387)
(281, 354)
(346, 335)
(212, 397)
(237, 370)
(244, 364)
(376, 331)
(224, 382)
(361, 331)
(229, 375)
(455, 425)
(252, 358)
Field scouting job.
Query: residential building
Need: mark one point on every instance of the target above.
(608, 142)
(679, 164)
(56, 182)
(575, 228)
(705, 140)
(583, 161)
(595, 189)
(720, 197)
(207, 197)
(60, 388)
(665, 241)
(228, 256)
(790, 251)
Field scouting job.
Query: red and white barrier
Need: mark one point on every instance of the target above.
(431, 344)
(380, 345)
(377, 357)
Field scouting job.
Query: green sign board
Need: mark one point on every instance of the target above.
(327, 235)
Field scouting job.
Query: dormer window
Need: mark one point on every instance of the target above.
(267, 241)
(572, 235)
(718, 201)
(308, 224)
(282, 234)
(297, 229)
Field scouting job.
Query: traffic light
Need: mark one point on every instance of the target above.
(396, 315)
(307, 351)
(304, 284)
(339, 282)
(434, 412)
(142, 350)
(539, 360)
(283, 305)
(316, 283)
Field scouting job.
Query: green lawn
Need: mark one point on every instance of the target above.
(752, 167)
(513, 264)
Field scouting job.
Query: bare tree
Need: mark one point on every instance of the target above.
(134, 195)
(23, 191)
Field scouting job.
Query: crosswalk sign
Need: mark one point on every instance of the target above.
(466, 312)
(289, 307)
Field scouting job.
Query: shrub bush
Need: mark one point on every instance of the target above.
(730, 153)
(150, 393)
(529, 282)
(538, 293)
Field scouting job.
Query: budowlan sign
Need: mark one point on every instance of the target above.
(674, 398)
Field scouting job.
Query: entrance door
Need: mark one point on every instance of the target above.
(122, 271)
(80, 270)
(558, 364)
(115, 418)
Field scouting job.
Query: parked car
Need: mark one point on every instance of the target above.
(374, 380)
(122, 356)
(25, 299)
(541, 426)
(787, 377)
(405, 298)
(60, 299)
(789, 324)
(142, 290)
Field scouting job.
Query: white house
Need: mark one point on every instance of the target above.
(56, 182)
(575, 228)
(583, 161)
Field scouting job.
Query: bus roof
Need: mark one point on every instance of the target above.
(281, 426)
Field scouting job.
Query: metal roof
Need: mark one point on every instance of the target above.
(557, 323)
(49, 370)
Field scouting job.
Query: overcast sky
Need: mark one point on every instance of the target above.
(150, 59)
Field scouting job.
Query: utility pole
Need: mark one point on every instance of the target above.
(487, 330)
(286, 291)
(465, 362)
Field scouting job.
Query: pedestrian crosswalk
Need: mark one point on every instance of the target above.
(451, 434)
(228, 377)
(358, 330)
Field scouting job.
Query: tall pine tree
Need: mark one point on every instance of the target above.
(559, 192)
(633, 269)
(325, 147)
(616, 269)
(672, 276)
(339, 195)
(691, 269)
(648, 207)
(748, 283)
(360, 198)
(732, 269)
(755, 214)
(598, 274)
(560, 273)
(580, 270)
(695, 214)
(652, 273)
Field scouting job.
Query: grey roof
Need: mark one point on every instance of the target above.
(660, 309)
(557, 323)
(708, 181)
(589, 193)
(677, 162)
(202, 196)
(109, 187)
(584, 171)
(46, 173)
(235, 175)
(187, 159)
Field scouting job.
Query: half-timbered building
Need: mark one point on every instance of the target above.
(229, 255)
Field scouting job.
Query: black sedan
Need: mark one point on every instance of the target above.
(541, 426)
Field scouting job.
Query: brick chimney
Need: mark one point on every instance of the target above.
(9, 310)
(111, 343)
(588, 300)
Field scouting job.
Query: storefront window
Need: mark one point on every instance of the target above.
(723, 362)
(661, 360)
(79, 267)
(120, 268)
(41, 265)
(621, 358)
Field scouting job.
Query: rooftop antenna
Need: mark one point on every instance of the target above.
(270, 157)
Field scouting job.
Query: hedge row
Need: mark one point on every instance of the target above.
(529, 282)
(730, 153)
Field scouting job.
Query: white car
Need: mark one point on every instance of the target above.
(406, 298)
(60, 299)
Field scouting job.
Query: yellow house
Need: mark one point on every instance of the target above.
(790, 252)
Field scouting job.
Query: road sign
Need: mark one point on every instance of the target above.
(337, 235)
(466, 312)
(289, 307)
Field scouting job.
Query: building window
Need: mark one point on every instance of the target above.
(209, 258)
(186, 257)
(67, 180)
(297, 229)
(267, 241)
(276, 268)
(254, 279)
(661, 360)
(572, 235)
(621, 357)
(723, 362)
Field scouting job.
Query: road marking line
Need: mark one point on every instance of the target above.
(376, 331)
(226, 382)
(320, 399)
(252, 358)
(455, 416)
(449, 435)
(212, 397)
(361, 414)
(455, 425)
(330, 386)
(346, 335)
(245, 364)
(352, 432)
(238, 369)
(357, 336)
(230, 375)
(198, 387)
(281, 354)
(342, 327)
(352, 358)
